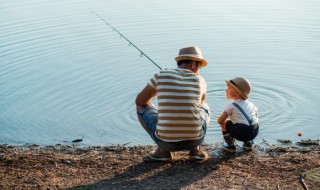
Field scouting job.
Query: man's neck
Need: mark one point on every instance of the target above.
(183, 66)
(186, 67)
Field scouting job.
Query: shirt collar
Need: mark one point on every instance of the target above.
(240, 100)
(185, 70)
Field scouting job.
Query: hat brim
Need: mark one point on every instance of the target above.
(237, 89)
(203, 62)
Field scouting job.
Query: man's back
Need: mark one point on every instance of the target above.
(179, 97)
(180, 122)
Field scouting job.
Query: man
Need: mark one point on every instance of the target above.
(182, 117)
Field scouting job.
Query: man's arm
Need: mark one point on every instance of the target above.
(146, 96)
(203, 88)
(203, 97)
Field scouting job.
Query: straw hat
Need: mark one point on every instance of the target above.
(242, 85)
(191, 53)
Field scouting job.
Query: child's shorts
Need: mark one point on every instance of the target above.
(242, 132)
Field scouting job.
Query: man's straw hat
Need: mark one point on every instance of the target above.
(191, 53)
(242, 85)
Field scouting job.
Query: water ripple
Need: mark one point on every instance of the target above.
(65, 74)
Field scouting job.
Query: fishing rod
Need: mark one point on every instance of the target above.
(122, 36)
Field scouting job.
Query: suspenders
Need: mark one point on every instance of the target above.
(244, 113)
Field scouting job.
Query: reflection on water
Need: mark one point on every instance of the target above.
(65, 74)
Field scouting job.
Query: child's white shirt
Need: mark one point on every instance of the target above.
(236, 115)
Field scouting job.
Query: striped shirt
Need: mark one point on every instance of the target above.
(179, 93)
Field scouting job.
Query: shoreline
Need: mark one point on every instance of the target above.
(122, 167)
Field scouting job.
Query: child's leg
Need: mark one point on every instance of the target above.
(248, 143)
(223, 126)
(230, 147)
(228, 132)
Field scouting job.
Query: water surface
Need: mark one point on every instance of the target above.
(64, 74)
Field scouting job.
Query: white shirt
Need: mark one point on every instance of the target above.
(237, 116)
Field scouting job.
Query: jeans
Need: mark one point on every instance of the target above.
(149, 119)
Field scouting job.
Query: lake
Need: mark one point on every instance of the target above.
(65, 74)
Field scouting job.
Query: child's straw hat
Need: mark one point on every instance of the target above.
(242, 85)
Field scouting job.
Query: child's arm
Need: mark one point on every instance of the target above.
(222, 120)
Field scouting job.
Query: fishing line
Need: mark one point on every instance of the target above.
(122, 36)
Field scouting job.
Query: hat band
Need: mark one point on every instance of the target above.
(191, 55)
(231, 81)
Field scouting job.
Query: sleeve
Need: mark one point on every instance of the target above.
(154, 81)
(229, 109)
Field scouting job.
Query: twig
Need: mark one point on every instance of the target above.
(134, 159)
(246, 179)
(125, 144)
(303, 183)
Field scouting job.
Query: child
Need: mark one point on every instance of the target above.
(243, 124)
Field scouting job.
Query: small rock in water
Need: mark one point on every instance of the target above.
(77, 140)
(309, 142)
(286, 141)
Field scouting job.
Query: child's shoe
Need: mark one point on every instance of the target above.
(248, 145)
(229, 148)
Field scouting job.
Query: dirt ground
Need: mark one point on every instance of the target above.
(122, 167)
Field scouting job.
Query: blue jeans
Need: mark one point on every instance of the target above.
(148, 117)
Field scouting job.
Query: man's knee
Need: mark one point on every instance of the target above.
(148, 116)
(142, 109)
